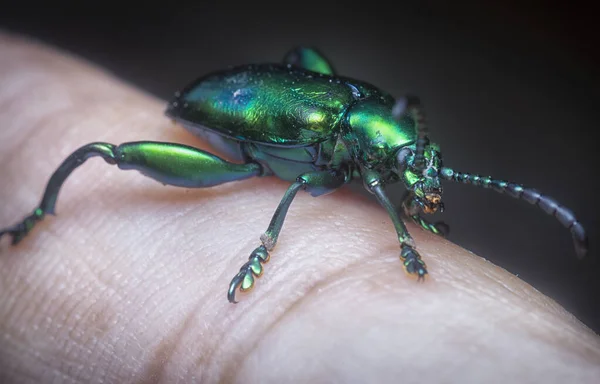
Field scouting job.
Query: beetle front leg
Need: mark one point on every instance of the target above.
(411, 209)
(317, 183)
(168, 163)
(413, 264)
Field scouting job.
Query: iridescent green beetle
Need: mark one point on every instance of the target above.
(302, 123)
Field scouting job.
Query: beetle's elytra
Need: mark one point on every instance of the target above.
(301, 122)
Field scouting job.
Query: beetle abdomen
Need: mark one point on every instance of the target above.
(267, 103)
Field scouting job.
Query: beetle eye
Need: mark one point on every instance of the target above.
(402, 157)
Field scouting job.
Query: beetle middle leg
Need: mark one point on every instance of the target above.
(411, 209)
(168, 163)
(317, 183)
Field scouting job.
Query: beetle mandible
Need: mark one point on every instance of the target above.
(302, 123)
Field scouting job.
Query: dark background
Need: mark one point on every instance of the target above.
(510, 89)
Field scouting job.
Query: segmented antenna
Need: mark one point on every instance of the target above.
(416, 110)
(564, 215)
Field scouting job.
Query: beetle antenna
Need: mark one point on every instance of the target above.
(416, 110)
(564, 215)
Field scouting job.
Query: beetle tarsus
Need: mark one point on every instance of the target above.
(413, 264)
(17, 233)
(234, 285)
(12, 231)
(244, 280)
(20, 230)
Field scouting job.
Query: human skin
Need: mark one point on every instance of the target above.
(128, 283)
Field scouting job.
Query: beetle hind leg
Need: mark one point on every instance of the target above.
(21, 229)
(168, 163)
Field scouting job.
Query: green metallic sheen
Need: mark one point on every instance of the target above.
(256, 267)
(317, 183)
(373, 135)
(180, 165)
(426, 179)
(278, 105)
(267, 103)
(168, 163)
(301, 122)
(310, 59)
(247, 283)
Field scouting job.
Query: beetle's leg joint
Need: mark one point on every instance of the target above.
(407, 240)
(267, 241)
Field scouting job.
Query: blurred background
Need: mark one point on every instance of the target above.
(511, 89)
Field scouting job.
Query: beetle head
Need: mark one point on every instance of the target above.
(423, 182)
